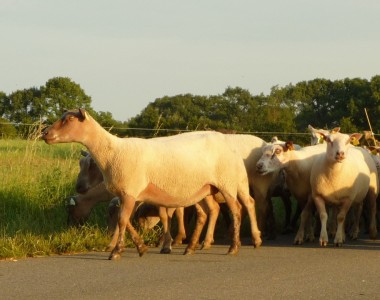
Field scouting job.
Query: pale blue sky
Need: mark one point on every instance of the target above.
(125, 54)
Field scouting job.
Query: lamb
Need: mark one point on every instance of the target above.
(297, 166)
(343, 176)
(176, 172)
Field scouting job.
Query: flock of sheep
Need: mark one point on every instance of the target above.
(206, 168)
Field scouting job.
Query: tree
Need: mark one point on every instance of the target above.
(61, 93)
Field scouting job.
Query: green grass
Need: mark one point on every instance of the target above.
(35, 180)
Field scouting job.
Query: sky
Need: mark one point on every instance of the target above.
(125, 54)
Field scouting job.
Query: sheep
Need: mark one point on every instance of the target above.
(343, 176)
(317, 134)
(90, 177)
(250, 149)
(297, 166)
(177, 172)
(79, 206)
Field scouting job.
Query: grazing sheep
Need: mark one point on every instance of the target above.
(343, 176)
(79, 207)
(177, 172)
(297, 166)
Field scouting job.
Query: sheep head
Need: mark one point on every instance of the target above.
(338, 145)
(67, 129)
(275, 157)
(316, 134)
(89, 174)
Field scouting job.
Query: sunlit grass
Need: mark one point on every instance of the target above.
(35, 180)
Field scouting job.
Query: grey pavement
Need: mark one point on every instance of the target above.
(278, 270)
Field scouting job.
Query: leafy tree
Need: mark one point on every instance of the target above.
(61, 93)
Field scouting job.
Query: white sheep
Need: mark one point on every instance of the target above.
(297, 166)
(343, 176)
(176, 172)
(250, 149)
(90, 177)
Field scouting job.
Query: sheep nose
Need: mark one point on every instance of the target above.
(259, 166)
(340, 154)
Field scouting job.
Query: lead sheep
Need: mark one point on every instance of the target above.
(90, 177)
(178, 172)
(250, 148)
(343, 176)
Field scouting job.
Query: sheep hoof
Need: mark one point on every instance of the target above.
(166, 251)
(206, 246)
(373, 234)
(339, 244)
(233, 250)
(298, 242)
(323, 243)
(189, 251)
(114, 256)
(142, 249)
(257, 243)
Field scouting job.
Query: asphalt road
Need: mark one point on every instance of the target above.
(278, 270)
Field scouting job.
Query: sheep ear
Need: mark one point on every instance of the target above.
(311, 128)
(323, 136)
(84, 153)
(355, 137)
(83, 114)
(335, 130)
(289, 146)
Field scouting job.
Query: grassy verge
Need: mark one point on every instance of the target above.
(35, 180)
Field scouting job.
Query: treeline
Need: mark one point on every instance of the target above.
(320, 102)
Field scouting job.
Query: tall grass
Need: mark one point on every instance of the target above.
(35, 180)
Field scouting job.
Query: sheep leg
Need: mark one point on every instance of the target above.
(127, 204)
(288, 213)
(181, 235)
(373, 208)
(332, 224)
(304, 223)
(167, 214)
(321, 207)
(201, 221)
(357, 209)
(249, 203)
(213, 210)
(235, 208)
(340, 235)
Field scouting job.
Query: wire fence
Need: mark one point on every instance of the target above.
(34, 131)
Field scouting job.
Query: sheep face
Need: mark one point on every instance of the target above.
(274, 158)
(338, 145)
(77, 211)
(67, 129)
(89, 174)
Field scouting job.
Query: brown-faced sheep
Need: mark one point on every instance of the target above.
(180, 171)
